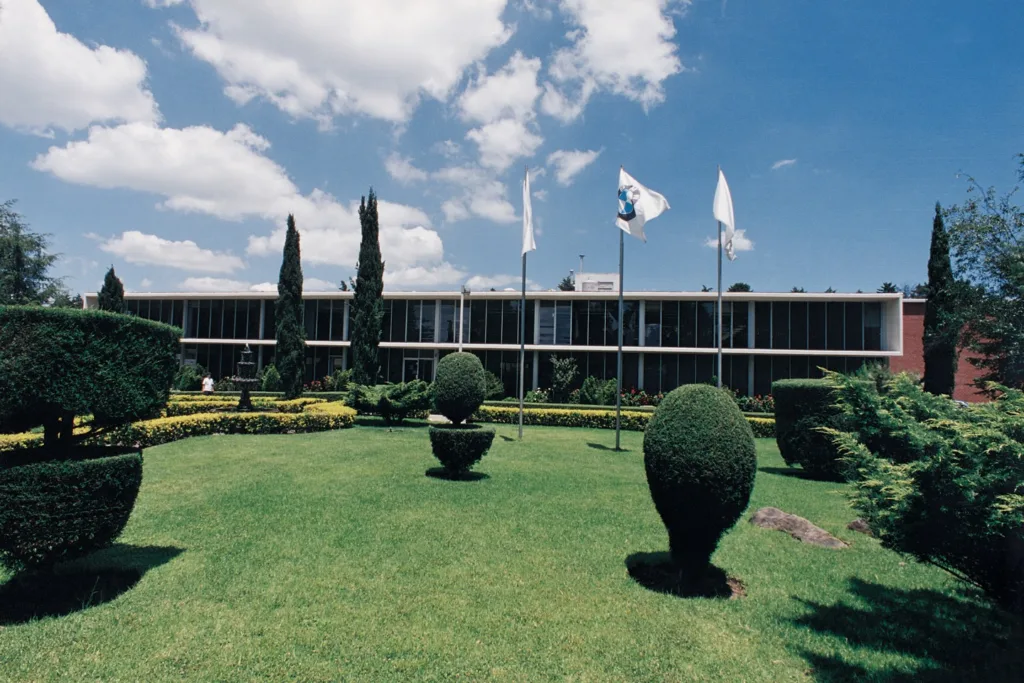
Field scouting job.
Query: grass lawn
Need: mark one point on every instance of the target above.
(332, 557)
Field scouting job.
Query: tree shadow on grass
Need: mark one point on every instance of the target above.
(655, 572)
(442, 473)
(794, 472)
(506, 438)
(78, 585)
(378, 423)
(602, 447)
(953, 637)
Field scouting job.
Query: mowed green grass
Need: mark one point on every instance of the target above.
(332, 557)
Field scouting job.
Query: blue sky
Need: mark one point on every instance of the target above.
(171, 138)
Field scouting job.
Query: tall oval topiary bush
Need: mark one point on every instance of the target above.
(460, 386)
(802, 408)
(700, 460)
(459, 390)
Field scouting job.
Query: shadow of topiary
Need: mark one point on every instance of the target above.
(442, 473)
(796, 473)
(379, 423)
(953, 637)
(81, 584)
(656, 572)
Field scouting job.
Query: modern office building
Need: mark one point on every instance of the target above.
(669, 337)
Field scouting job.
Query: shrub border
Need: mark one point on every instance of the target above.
(632, 420)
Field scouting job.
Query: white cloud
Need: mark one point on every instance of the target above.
(212, 284)
(483, 283)
(509, 93)
(537, 8)
(740, 242)
(403, 170)
(541, 195)
(319, 58)
(264, 287)
(481, 195)
(626, 50)
(569, 163)
(146, 282)
(162, 3)
(783, 163)
(203, 170)
(502, 142)
(448, 149)
(143, 249)
(52, 80)
(315, 284)
(422, 278)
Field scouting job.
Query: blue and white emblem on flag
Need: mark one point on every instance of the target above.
(628, 195)
(637, 205)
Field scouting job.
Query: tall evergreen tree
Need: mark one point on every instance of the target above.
(25, 262)
(367, 302)
(290, 354)
(111, 297)
(941, 321)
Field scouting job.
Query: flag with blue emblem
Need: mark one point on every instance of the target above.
(637, 205)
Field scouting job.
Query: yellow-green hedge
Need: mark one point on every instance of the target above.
(317, 417)
(598, 419)
(178, 407)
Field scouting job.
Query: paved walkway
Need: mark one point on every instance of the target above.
(437, 418)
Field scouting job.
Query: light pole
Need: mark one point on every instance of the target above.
(462, 314)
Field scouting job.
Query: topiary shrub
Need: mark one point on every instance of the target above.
(803, 408)
(459, 447)
(271, 379)
(59, 510)
(460, 386)
(700, 460)
(59, 363)
(396, 402)
(495, 390)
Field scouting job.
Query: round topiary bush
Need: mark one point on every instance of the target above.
(460, 386)
(802, 408)
(459, 447)
(700, 461)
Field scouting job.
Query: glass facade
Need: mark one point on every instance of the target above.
(650, 330)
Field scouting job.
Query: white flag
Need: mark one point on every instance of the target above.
(528, 242)
(724, 214)
(637, 205)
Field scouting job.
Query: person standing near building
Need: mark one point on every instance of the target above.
(208, 384)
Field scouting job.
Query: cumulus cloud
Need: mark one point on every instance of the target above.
(626, 50)
(51, 80)
(502, 142)
(480, 195)
(420, 277)
(143, 249)
(569, 163)
(212, 284)
(482, 283)
(783, 163)
(740, 242)
(320, 58)
(402, 169)
(200, 169)
(509, 93)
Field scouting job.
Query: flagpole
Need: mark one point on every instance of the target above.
(522, 351)
(719, 304)
(618, 393)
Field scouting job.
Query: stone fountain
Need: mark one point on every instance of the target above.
(246, 378)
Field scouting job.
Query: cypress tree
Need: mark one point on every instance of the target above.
(368, 303)
(941, 326)
(111, 297)
(290, 354)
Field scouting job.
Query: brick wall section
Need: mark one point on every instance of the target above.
(912, 359)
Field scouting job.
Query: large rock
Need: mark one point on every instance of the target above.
(860, 526)
(797, 527)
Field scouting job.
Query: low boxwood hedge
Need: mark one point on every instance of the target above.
(459, 447)
(191, 407)
(803, 407)
(632, 419)
(62, 509)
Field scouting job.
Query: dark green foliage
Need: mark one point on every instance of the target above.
(802, 408)
(189, 378)
(459, 447)
(58, 510)
(941, 482)
(942, 322)
(111, 296)
(495, 387)
(460, 386)
(341, 380)
(271, 379)
(368, 301)
(563, 375)
(393, 402)
(290, 352)
(700, 460)
(566, 284)
(58, 363)
(596, 392)
(740, 287)
(25, 262)
(888, 288)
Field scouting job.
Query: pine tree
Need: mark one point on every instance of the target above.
(111, 297)
(290, 354)
(367, 302)
(941, 328)
(566, 284)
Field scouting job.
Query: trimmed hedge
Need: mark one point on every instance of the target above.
(459, 447)
(701, 461)
(632, 419)
(59, 510)
(58, 363)
(460, 386)
(224, 395)
(179, 407)
(803, 408)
